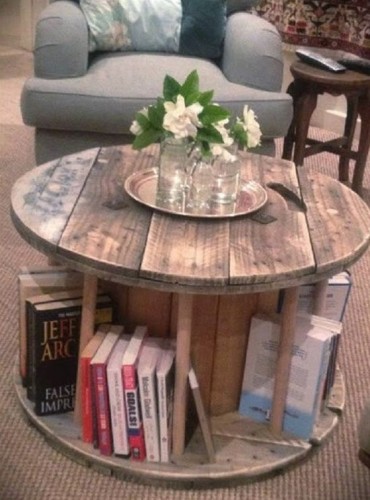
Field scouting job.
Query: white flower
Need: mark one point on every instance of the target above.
(180, 120)
(251, 126)
(220, 151)
(135, 127)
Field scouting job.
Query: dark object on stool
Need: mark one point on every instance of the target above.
(356, 64)
(309, 82)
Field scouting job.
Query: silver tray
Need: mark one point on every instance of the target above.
(142, 187)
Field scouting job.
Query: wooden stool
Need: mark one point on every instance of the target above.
(308, 83)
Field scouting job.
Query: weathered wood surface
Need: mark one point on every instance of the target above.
(93, 225)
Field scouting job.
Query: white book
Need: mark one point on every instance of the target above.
(146, 370)
(312, 344)
(337, 294)
(165, 390)
(116, 396)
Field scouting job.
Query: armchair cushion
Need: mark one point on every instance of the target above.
(189, 27)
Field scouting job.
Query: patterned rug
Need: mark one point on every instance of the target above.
(336, 24)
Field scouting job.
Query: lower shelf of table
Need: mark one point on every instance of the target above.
(245, 450)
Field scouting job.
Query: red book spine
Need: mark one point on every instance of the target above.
(134, 421)
(102, 409)
(86, 405)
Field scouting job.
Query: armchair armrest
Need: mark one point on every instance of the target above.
(61, 43)
(252, 53)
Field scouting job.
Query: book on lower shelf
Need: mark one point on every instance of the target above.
(146, 372)
(336, 297)
(131, 391)
(54, 328)
(88, 420)
(99, 379)
(35, 281)
(309, 365)
(116, 397)
(165, 390)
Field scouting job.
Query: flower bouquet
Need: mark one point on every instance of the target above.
(195, 134)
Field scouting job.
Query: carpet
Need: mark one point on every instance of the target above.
(31, 470)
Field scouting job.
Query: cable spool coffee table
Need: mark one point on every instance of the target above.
(206, 278)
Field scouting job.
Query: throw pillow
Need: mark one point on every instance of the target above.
(190, 27)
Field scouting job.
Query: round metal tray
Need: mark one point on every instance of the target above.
(142, 187)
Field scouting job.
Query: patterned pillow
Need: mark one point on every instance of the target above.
(190, 27)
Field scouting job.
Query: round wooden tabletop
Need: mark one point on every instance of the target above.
(76, 210)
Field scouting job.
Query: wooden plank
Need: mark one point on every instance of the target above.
(106, 227)
(339, 221)
(44, 197)
(151, 308)
(267, 253)
(186, 251)
(203, 340)
(234, 317)
(181, 373)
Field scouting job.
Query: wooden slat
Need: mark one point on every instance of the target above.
(338, 219)
(267, 253)
(151, 308)
(44, 197)
(184, 251)
(106, 226)
(203, 339)
(233, 322)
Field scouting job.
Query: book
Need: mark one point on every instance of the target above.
(337, 294)
(165, 389)
(37, 281)
(146, 372)
(116, 398)
(131, 391)
(311, 350)
(87, 419)
(99, 377)
(55, 330)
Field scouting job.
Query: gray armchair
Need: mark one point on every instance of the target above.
(79, 99)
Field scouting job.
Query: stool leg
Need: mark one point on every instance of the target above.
(349, 131)
(289, 138)
(364, 143)
(306, 104)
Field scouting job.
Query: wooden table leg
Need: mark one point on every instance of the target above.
(90, 290)
(182, 371)
(363, 144)
(349, 132)
(287, 331)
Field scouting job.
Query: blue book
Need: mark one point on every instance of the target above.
(310, 358)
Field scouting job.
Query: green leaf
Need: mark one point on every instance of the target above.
(209, 134)
(146, 138)
(155, 115)
(213, 114)
(171, 88)
(190, 86)
(205, 98)
(142, 120)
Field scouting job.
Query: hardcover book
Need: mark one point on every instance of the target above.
(55, 330)
(88, 422)
(131, 390)
(337, 294)
(37, 281)
(116, 398)
(165, 389)
(146, 370)
(98, 366)
(311, 351)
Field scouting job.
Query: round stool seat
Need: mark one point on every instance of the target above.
(308, 83)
